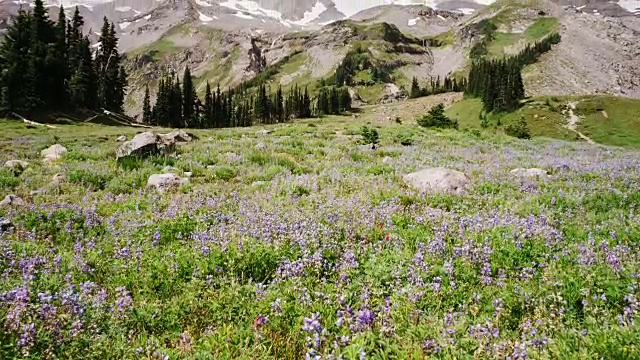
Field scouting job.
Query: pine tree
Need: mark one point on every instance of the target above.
(176, 105)
(17, 79)
(41, 56)
(83, 81)
(107, 68)
(61, 74)
(188, 99)
(207, 110)
(415, 89)
(147, 115)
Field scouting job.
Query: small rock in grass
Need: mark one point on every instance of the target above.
(57, 179)
(17, 165)
(53, 153)
(438, 180)
(5, 224)
(263, 132)
(188, 174)
(121, 138)
(261, 146)
(37, 192)
(169, 169)
(164, 182)
(533, 172)
(387, 160)
(12, 200)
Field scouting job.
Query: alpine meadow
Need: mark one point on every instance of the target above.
(319, 179)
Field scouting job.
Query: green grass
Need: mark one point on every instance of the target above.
(105, 268)
(620, 127)
(495, 48)
(157, 49)
(541, 28)
(371, 94)
(541, 120)
(443, 39)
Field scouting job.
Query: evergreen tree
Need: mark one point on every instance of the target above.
(107, 68)
(42, 56)
(207, 110)
(83, 81)
(61, 74)
(188, 100)
(415, 89)
(17, 79)
(147, 115)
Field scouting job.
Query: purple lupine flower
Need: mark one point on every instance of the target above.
(364, 319)
(276, 307)
(261, 291)
(486, 274)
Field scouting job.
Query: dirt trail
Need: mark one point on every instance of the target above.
(573, 123)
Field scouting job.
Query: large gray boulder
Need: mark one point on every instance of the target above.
(12, 200)
(148, 143)
(53, 153)
(177, 136)
(165, 182)
(16, 165)
(532, 172)
(144, 144)
(438, 180)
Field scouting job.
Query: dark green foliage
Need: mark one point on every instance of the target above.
(519, 129)
(499, 82)
(108, 71)
(333, 101)
(49, 66)
(435, 87)
(486, 28)
(437, 118)
(147, 113)
(369, 136)
(189, 113)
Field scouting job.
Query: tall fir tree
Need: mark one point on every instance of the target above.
(61, 74)
(147, 113)
(17, 79)
(207, 110)
(188, 100)
(41, 55)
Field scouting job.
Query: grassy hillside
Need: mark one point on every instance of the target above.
(306, 233)
(607, 120)
(610, 120)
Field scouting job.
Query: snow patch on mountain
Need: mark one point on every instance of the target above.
(309, 16)
(205, 18)
(413, 22)
(632, 6)
(203, 3)
(123, 25)
(242, 15)
(250, 7)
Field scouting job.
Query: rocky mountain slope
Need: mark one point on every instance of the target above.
(303, 41)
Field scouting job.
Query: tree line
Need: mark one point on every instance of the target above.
(177, 105)
(435, 86)
(50, 65)
(499, 82)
